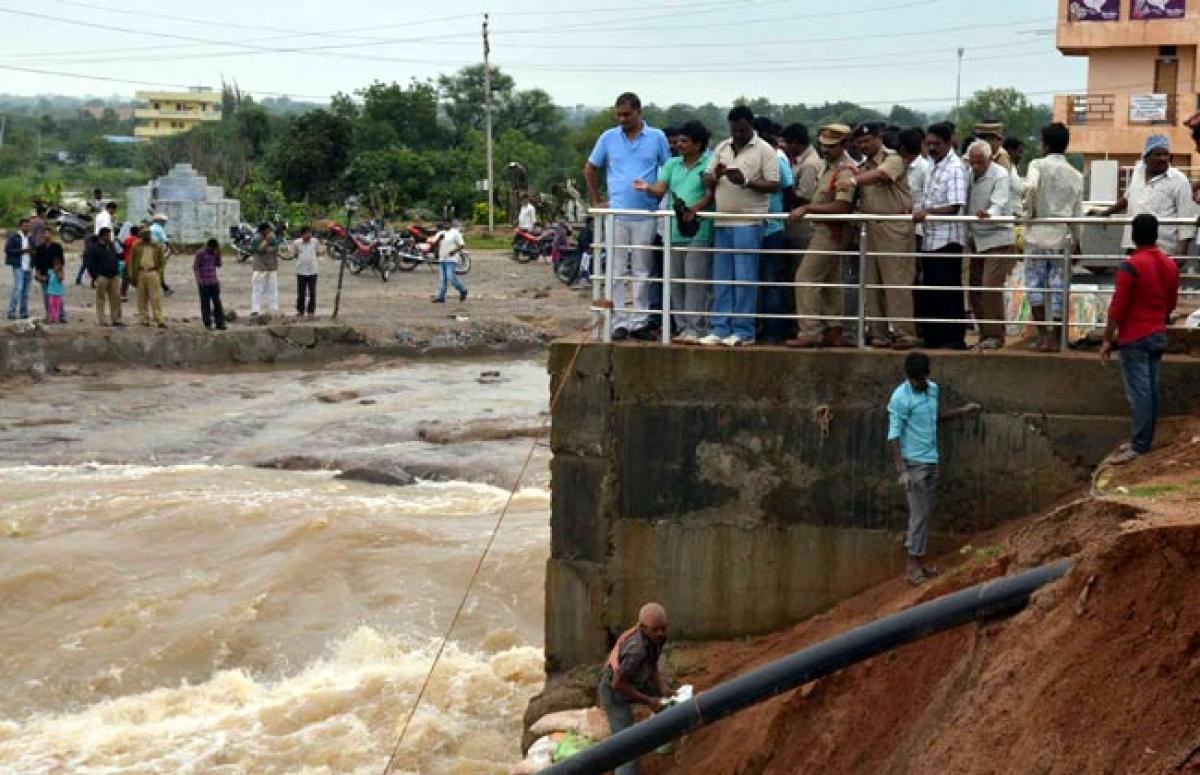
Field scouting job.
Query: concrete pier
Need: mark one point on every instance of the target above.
(747, 489)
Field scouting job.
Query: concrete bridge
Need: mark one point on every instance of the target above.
(750, 488)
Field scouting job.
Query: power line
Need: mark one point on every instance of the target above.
(135, 82)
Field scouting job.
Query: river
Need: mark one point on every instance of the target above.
(169, 606)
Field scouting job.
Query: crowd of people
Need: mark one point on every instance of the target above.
(119, 256)
(736, 265)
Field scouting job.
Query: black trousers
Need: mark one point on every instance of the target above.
(306, 286)
(211, 310)
(942, 267)
(773, 299)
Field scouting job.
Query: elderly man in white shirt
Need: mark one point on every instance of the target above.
(1157, 188)
(988, 196)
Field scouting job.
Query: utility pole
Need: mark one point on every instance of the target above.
(487, 119)
(958, 83)
(3, 124)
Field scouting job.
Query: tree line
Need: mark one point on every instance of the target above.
(409, 149)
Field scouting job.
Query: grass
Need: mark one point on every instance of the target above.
(495, 242)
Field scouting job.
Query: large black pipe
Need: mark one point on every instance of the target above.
(995, 598)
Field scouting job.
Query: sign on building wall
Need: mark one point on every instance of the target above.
(1156, 9)
(1147, 107)
(1095, 10)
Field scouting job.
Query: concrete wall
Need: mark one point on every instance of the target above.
(749, 489)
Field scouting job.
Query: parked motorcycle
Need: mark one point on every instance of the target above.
(244, 239)
(529, 245)
(353, 247)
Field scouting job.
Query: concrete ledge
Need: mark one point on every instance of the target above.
(748, 489)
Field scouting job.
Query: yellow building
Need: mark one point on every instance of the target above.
(170, 113)
(1142, 76)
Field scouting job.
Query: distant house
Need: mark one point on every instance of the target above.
(171, 113)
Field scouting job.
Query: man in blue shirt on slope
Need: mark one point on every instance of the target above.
(913, 415)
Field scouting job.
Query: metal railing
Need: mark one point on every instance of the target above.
(604, 281)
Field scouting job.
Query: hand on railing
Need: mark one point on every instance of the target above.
(797, 214)
(919, 216)
(983, 215)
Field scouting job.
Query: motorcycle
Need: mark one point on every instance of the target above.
(353, 247)
(244, 239)
(71, 226)
(528, 245)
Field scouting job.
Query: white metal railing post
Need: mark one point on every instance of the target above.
(1065, 342)
(610, 262)
(862, 286)
(666, 280)
(597, 293)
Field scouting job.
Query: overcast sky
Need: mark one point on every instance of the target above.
(871, 51)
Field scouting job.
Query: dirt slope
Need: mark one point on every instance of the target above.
(1100, 674)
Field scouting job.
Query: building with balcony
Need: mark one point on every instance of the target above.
(170, 113)
(1142, 78)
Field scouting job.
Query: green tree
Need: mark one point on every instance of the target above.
(1008, 106)
(312, 155)
(411, 111)
(531, 112)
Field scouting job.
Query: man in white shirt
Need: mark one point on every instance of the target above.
(105, 218)
(941, 265)
(450, 243)
(1053, 189)
(18, 254)
(988, 197)
(527, 217)
(305, 249)
(1157, 188)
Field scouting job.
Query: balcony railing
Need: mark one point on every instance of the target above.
(1091, 109)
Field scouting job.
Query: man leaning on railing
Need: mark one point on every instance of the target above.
(820, 307)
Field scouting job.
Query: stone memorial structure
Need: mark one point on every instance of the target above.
(196, 210)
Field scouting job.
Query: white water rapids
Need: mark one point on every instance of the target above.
(168, 607)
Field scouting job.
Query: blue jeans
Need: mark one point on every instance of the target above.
(446, 269)
(620, 716)
(737, 260)
(20, 292)
(1140, 361)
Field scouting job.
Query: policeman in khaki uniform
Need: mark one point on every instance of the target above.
(993, 132)
(831, 197)
(883, 190)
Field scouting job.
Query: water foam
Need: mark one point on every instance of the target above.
(340, 714)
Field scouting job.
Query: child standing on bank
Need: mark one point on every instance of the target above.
(55, 292)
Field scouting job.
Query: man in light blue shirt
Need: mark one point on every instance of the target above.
(630, 151)
(913, 415)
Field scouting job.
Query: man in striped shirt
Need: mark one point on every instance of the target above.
(945, 194)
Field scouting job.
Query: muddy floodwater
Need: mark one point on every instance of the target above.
(169, 605)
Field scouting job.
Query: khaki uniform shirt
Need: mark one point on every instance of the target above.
(805, 171)
(892, 198)
(1002, 158)
(756, 159)
(830, 235)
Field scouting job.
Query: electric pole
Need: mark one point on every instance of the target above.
(487, 119)
(3, 123)
(958, 83)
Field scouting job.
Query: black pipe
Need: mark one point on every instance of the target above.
(995, 598)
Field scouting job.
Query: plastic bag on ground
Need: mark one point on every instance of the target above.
(589, 722)
(539, 757)
(570, 745)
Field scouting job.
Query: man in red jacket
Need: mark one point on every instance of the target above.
(1147, 292)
